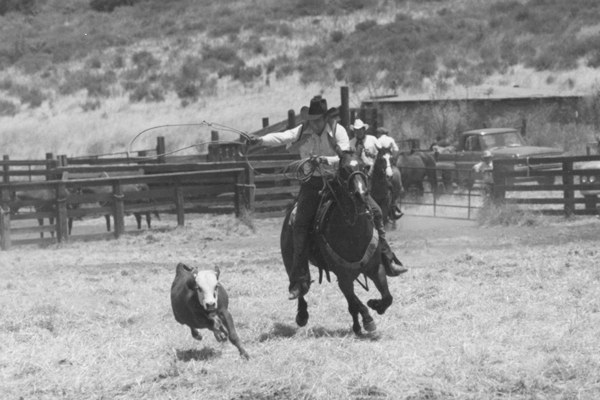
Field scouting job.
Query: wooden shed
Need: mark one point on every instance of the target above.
(428, 117)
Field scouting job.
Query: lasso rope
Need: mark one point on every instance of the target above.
(301, 170)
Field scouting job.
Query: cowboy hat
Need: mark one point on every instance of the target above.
(487, 154)
(317, 109)
(381, 131)
(358, 124)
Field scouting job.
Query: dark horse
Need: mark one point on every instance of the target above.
(385, 184)
(343, 241)
(415, 167)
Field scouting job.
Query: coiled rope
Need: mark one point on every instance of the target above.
(301, 170)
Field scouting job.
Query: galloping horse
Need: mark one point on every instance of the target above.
(385, 184)
(343, 241)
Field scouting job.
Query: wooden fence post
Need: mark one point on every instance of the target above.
(6, 169)
(119, 208)
(291, 119)
(374, 121)
(214, 151)
(265, 122)
(498, 195)
(345, 107)
(179, 203)
(62, 229)
(5, 241)
(161, 149)
(238, 190)
(568, 193)
(49, 165)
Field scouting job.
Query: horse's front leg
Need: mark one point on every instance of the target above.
(378, 276)
(302, 314)
(355, 306)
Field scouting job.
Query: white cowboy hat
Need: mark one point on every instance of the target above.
(358, 124)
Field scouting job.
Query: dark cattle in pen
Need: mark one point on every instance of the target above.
(200, 302)
(42, 195)
(133, 187)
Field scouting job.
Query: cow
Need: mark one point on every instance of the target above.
(200, 302)
(133, 187)
(39, 195)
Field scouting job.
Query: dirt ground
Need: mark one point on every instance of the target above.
(482, 311)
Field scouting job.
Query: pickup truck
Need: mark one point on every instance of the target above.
(462, 155)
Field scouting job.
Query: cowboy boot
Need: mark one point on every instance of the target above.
(393, 266)
(396, 212)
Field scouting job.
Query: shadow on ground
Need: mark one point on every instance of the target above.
(204, 354)
(280, 330)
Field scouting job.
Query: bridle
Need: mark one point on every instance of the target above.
(345, 183)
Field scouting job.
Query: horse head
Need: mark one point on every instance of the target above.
(352, 177)
(383, 162)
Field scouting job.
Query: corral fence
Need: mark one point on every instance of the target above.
(227, 187)
(516, 182)
(441, 200)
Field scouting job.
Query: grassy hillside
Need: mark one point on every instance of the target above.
(99, 71)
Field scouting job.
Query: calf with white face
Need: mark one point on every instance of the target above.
(200, 302)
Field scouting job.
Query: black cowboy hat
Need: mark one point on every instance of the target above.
(317, 109)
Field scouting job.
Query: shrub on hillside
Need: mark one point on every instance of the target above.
(110, 5)
(193, 80)
(144, 61)
(365, 25)
(255, 46)
(311, 7)
(223, 54)
(337, 36)
(146, 92)
(90, 105)
(425, 63)
(96, 84)
(118, 62)
(20, 6)
(7, 108)
(33, 97)
(32, 63)
(248, 74)
(226, 27)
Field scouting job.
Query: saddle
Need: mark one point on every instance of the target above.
(325, 207)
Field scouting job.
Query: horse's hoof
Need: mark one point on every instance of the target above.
(357, 329)
(373, 304)
(302, 318)
(377, 305)
(370, 326)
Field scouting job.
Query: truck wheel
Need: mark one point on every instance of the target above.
(590, 202)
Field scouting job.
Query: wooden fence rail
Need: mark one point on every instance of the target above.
(512, 175)
(168, 192)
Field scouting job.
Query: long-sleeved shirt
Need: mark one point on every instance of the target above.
(308, 143)
(368, 144)
(388, 142)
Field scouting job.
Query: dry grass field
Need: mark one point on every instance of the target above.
(484, 313)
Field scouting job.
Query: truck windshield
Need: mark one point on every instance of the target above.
(502, 139)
